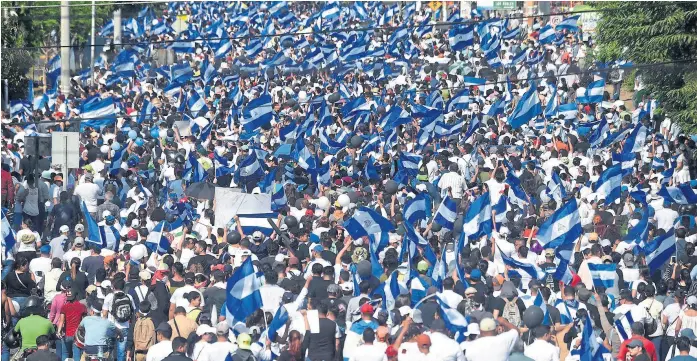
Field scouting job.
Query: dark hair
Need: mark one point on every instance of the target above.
(448, 283)
(368, 335)
(119, 284)
(178, 342)
(43, 340)
(317, 269)
(271, 277)
(683, 343)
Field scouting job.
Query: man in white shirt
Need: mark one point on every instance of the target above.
(316, 252)
(665, 218)
(163, 347)
(89, 193)
(56, 244)
(271, 293)
(449, 296)
(368, 351)
(541, 349)
(77, 251)
(40, 266)
(444, 347)
(219, 349)
(453, 181)
(491, 346)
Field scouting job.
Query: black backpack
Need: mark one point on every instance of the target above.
(121, 308)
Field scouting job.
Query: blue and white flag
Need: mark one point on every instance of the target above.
(390, 289)
(8, 234)
(531, 269)
(93, 235)
(253, 222)
(639, 234)
(156, 240)
(460, 101)
(410, 162)
(446, 213)
(414, 240)
(590, 349)
(570, 24)
(251, 167)
(110, 237)
(460, 37)
(626, 160)
(555, 188)
(609, 185)
(243, 296)
(279, 320)
(516, 194)
(599, 134)
(257, 113)
(477, 220)
(417, 208)
(527, 108)
(568, 111)
(594, 92)
(181, 73)
(682, 194)
(469, 81)
(636, 140)
(562, 228)
(540, 302)
(395, 117)
(603, 274)
(659, 250)
(100, 113)
(455, 322)
(546, 34)
(365, 222)
(278, 198)
(553, 103)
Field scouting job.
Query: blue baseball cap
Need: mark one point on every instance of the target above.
(476, 274)
(45, 249)
(318, 248)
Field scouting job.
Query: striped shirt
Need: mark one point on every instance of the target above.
(454, 181)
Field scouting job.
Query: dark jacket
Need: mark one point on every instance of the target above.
(242, 355)
(176, 356)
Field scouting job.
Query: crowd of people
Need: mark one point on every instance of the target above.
(469, 190)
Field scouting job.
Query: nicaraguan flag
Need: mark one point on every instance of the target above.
(446, 213)
(469, 81)
(627, 160)
(417, 208)
(414, 240)
(516, 194)
(460, 37)
(156, 239)
(636, 140)
(594, 92)
(181, 73)
(455, 322)
(540, 302)
(570, 24)
(410, 162)
(253, 222)
(94, 236)
(603, 274)
(568, 111)
(531, 269)
(477, 221)
(390, 289)
(527, 108)
(243, 296)
(682, 194)
(365, 222)
(546, 34)
(110, 237)
(659, 250)
(460, 101)
(563, 272)
(562, 228)
(609, 185)
(553, 104)
(555, 188)
(395, 117)
(640, 232)
(257, 113)
(279, 320)
(251, 167)
(590, 349)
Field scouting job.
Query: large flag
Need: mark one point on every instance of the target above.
(93, 234)
(603, 274)
(365, 222)
(682, 194)
(257, 113)
(562, 228)
(609, 185)
(446, 213)
(527, 108)
(477, 221)
(417, 208)
(659, 250)
(243, 296)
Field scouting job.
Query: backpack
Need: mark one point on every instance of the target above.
(121, 309)
(149, 296)
(143, 334)
(511, 312)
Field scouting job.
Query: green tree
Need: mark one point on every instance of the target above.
(15, 62)
(656, 32)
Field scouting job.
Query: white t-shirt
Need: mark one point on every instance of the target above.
(178, 296)
(216, 351)
(492, 348)
(445, 348)
(89, 193)
(41, 264)
(368, 353)
(67, 256)
(159, 351)
(541, 350)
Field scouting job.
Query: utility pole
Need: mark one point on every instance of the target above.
(117, 29)
(94, 13)
(445, 11)
(65, 47)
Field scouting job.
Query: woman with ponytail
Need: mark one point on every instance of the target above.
(78, 278)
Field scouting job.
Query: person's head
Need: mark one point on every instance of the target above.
(179, 344)
(43, 342)
(683, 344)
(368, 336)
(317, 269)
(542, 332)
(295, 341)
(21, 264)
(194, 298)
(423, 342)
(637, 329)
(222, 330)
(179, 310)
(635, 347)
(163, 332)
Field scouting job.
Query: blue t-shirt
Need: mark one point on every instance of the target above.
(99, 330)
(683, 358)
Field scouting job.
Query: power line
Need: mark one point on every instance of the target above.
(642, 66)
(340, 30)
(98, 3)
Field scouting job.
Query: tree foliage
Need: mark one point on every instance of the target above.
(656, 32)
(15, 62)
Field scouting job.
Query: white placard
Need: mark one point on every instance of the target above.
(230, 202)
(65, 149)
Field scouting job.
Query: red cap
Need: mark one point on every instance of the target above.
(391, 351)
(367, 308)
(132, 234)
